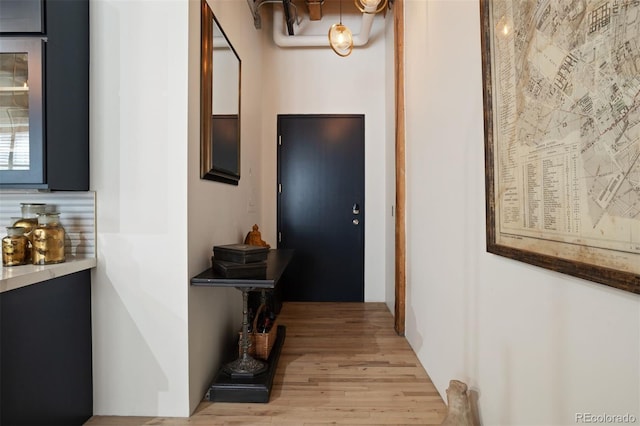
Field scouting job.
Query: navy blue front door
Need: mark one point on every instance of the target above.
(321, 206)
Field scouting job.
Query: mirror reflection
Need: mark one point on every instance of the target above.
(14, 111)
(225, 113)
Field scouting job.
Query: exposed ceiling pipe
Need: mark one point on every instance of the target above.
(282, 39)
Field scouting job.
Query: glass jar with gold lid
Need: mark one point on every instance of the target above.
(15, 247)
(29, 221)
(48, 240)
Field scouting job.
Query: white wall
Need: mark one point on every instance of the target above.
(157, 341)
(317, 81)
(138, 121)
(221, 213)
(537, 346)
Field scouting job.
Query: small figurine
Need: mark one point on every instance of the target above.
(254, 238)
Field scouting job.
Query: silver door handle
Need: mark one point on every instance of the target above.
(355, 221)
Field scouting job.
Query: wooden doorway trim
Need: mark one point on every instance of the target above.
(400, 250)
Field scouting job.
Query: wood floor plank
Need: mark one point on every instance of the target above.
(342, 363)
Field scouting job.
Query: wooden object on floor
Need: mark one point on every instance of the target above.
(458, 405)
(341, 363)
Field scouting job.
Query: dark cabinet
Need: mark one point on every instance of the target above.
(44, 95)
(45, 353)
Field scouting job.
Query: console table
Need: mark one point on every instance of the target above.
(247, 379)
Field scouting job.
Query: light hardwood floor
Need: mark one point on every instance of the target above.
(342, 363)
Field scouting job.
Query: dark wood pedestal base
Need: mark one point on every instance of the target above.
(248, 389)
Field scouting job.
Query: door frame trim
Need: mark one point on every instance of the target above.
(400, 224)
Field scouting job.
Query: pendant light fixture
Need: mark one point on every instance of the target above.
(340, 37)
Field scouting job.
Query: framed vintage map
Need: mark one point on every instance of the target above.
(562, 135)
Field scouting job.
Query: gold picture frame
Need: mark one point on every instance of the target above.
(220, 81)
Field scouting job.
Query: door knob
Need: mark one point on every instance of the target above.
(355, 221)
(356, 209)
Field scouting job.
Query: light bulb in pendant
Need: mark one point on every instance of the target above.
(341, 39)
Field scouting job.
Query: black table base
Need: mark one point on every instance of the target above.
(253, 388)
(247, 379)
(245, 365)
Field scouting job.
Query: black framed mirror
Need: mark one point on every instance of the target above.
(220, 68)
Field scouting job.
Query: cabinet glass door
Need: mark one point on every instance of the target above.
(21, 17)
(21, 111)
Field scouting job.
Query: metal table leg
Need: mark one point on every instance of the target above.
(245, 365)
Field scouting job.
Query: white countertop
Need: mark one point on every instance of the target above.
(14, 277)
